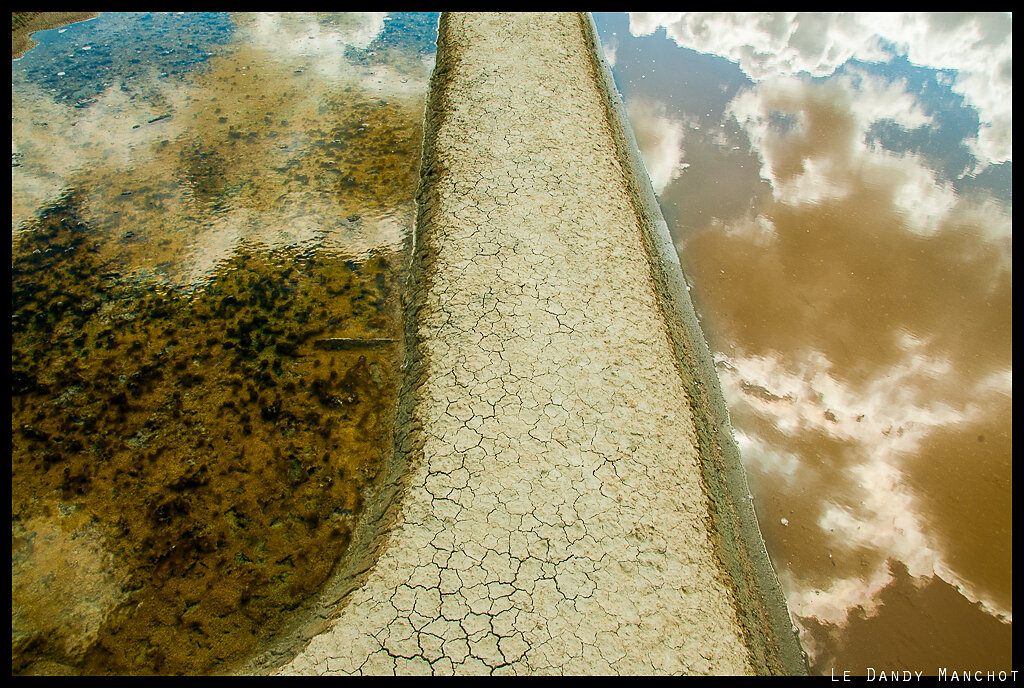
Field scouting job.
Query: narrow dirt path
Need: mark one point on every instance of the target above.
(555, 519)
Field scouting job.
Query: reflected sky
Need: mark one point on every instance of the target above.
(208, 129)
(839, 188)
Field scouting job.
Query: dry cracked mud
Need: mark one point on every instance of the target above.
(554, 517)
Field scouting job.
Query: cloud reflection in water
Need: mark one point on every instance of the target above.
(976, 46)
(293, 134)
(855, 288)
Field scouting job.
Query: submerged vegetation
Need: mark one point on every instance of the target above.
(210, 214)
(198, 455)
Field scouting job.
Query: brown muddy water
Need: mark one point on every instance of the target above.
(839, 190)
(210, 222)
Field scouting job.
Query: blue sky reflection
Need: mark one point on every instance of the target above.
(839, 188)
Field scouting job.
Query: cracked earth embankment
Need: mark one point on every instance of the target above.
(554, 515)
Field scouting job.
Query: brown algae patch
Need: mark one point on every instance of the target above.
(211, 448)
(206, 268)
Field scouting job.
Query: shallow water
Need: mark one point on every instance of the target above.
(839, 190)
(210, 221)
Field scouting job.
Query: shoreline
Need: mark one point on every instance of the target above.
(23, 24)
(560, 514)
(761, 603)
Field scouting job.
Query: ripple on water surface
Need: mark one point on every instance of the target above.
(208, 231)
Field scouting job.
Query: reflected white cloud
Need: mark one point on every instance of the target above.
(872, 99)
(758, 229)
(824, 154)
(978, 47)
(55, 142)
(833, 604)
(111, 150)
(891, 412)
(387, 82)
(611, 49)
(660, 140)
(313, 42)
(768, 43)
(923, 202)
(306, 35)
(295, 230)
(884, 423)
(768, 458)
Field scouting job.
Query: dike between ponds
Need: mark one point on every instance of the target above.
(566, 495)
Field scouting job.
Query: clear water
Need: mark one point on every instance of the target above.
(839, 191)
(210, 219)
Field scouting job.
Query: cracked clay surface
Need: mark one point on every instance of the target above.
(554, 518)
